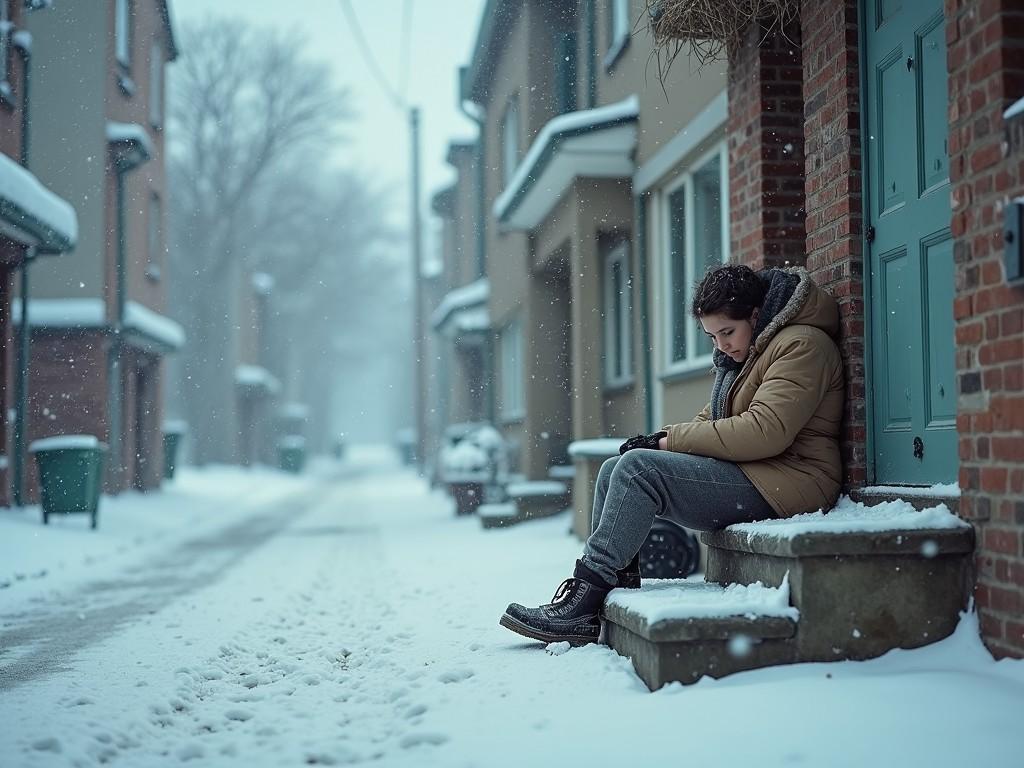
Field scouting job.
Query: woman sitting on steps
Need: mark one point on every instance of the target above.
(767, 445)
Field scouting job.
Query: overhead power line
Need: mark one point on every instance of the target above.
(368, 57)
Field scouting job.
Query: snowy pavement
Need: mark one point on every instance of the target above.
(348, 616)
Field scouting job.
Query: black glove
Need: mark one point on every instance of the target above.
(642, 441)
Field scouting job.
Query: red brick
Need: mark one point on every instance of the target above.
(1008, 448)
(1002, 540)
(1005, 600)
(993, 479)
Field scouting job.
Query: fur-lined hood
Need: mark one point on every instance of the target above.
(808, 305)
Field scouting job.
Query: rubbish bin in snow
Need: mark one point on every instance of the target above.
(174, 433)
(291, 453)
(70, 474)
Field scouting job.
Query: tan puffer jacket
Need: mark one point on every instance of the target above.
(784, 409)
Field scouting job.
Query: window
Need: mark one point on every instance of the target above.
(618, 30)
(510, 141)
(123, 32)
(512, 402)
(6, 28)
(156, 85)
(696, 238)
(154, 239)
(565, 71)
(618, 311)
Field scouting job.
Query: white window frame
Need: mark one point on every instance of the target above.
(618, 330)
(156, 85)
(6, 30)
(513, 406)
(155, 239)
(509, 141)
(691, 362)
(123, 32)
(618, 31)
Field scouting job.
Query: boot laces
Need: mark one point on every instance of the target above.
(563, 589)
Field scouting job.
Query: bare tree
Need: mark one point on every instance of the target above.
(244, 104)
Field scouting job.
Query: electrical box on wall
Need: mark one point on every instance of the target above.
(1013, 240)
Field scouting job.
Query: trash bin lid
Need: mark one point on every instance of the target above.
(65, 442)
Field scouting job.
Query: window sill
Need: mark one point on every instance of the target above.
(508, 420)
(686, 374)
(6, 93)
(615, 52)
(126, 84)
(619, 387)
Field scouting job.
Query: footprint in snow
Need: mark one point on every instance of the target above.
(49, 744)
(190, 752)
(240, 715)
(417, 739)
(415, 711)
(455, 675)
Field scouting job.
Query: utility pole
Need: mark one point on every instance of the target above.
(417, 270)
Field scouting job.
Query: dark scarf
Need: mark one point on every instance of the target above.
(781, 286)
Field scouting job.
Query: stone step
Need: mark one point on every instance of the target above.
(670, 632)
(859, 593)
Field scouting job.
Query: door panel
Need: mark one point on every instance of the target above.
(938, 298)
(910, 296)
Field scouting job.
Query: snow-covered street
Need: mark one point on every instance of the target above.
(348, 616)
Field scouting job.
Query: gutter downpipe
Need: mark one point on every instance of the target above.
(481, 216)
(24, 332)
(123, 165)
(640, 224)
(591, 21)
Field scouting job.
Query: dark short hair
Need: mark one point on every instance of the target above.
(732, 289)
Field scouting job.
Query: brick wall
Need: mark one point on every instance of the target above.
(986, 68)
(766, 150)
(831, 72)
(67, 390)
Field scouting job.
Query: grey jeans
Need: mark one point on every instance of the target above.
(695, 491)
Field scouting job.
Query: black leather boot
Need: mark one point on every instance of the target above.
(573, 615)
(629, 577)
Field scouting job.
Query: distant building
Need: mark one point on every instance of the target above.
(99, 330)
(34, 221)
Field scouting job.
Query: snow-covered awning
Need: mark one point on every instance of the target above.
(257, 377)
(152, 325)
(92, 314)
(131, 144)
(1014, 109)
(597, 143)
(262, 283)
(32, 214)
(464, 309)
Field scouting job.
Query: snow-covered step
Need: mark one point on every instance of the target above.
(497, 515)
(538, 498)
(865, 579)
(680, 630)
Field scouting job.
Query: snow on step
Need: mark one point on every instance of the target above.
(850, 516)
(680, 599)
(536, 488)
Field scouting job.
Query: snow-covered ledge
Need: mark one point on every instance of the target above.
(154, 325)
(595, 448)
(257, 377)
(466, 302)
(132, 136)
(26, 205)
(91, 314)
(597, 143)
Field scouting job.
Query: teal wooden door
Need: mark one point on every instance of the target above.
(910, 295)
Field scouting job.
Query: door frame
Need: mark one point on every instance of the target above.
(865, 200)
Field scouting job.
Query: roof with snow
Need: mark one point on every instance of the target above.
(32, 213)
(467, 299)
(596, 143)
(139, 321)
